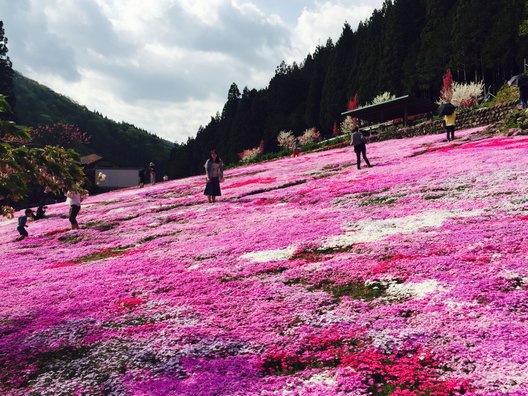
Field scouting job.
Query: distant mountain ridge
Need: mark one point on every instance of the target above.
(121, 143)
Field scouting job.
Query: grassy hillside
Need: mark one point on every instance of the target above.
(308, 277)
(121, 143)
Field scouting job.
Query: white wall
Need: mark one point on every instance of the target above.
(118, 178)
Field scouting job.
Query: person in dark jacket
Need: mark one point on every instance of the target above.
(41, 212)
(152, 170)
(523, 95)
(359, 142)
(214, 169)
(141, 177)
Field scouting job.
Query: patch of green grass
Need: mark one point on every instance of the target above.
(260, 191)
(174, 206)
(153, 237)
(100, 225)
(131, 217)
(102, 254)
(356, 290)
(108, 202)
(320, 253)
(383, 200)
(227, 278)
(72, 239)
(333, 168)
(504, 193)
(433, 197)
(273, 271)
(296, 281)
(322, 175)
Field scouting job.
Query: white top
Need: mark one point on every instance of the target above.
(73, 198)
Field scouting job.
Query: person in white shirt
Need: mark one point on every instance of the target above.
(74, 198)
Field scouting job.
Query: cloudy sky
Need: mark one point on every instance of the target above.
(166, 65)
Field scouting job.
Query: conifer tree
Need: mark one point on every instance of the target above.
(6, 71)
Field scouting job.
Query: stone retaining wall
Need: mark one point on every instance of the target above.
(465, 119)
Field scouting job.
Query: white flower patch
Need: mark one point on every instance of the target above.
(194, 267)
(417, 290)
(374, 230)
(117, 210)
(456, 306)
(511, 275)
(322, 379)
(265, 256)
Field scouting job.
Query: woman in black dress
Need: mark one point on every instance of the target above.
(214, 169)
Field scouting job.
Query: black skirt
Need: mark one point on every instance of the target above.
(213, 187)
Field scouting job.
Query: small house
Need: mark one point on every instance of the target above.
(114, 176)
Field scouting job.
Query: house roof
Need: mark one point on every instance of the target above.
(400, 107)
(90, 159)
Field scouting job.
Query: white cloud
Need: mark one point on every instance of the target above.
(314, 26)
(165, 65)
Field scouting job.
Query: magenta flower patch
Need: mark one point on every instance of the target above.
(307, 277)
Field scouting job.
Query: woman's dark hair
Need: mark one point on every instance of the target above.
(211, 156)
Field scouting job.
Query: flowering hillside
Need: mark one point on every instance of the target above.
(308, 277)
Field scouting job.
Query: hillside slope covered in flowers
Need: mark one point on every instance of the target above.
(307, 277)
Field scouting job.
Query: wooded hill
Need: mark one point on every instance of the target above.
(404, 48)
(121, 143)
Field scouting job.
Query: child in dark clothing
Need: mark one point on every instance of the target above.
(22, 224)
(41, 212)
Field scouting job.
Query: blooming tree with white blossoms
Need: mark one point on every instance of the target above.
(310, 135)
(384, 97)
(349, 124)
(285, 139)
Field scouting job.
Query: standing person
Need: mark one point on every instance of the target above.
(22, 220)
(450, 122)
(141, 177)
(74, 198)
(523, 95)
(152, 169)
(359, 142)
(214, 169)
(295, 147)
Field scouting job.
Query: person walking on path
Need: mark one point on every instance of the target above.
(152, 169)
(450, 122)
(22, 220)
(74, 198)
(360, 147)
(214, 169)
(295, 147)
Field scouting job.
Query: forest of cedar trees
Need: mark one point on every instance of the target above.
(403, 48)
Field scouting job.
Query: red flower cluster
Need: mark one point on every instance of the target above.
(400, 373)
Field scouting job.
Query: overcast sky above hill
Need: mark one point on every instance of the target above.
(166, 65)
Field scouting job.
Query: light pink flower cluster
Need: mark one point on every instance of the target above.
(308, 277)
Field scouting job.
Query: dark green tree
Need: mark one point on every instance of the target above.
(6, 71)
(404, 48)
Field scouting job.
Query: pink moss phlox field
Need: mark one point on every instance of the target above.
(307, 277)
